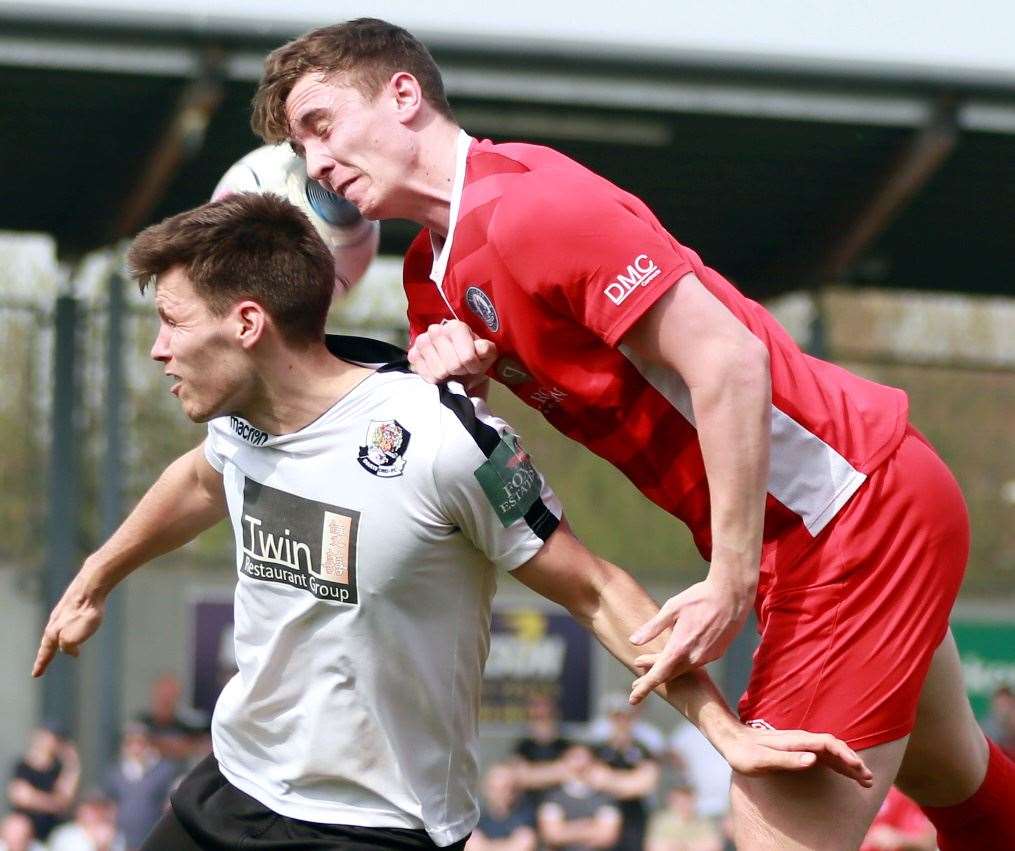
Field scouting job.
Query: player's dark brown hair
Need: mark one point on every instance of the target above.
(367, 50)
(245, 246)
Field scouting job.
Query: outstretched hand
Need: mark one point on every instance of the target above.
(450, 350)
(72, 622)
(703, 619)
(758, 751)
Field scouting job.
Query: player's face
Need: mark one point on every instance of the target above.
(354, 146)
(210, 375)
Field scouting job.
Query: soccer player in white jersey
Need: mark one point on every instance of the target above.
(371, 511)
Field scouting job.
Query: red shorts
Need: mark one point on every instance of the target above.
(849, 620)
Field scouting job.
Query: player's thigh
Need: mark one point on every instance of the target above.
(817, 810)
(946, 759)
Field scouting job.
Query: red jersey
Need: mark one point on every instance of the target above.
(554, 264)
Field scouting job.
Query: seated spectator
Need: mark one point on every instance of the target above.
(577, 817)
(45, 780)
(93, 828)
(1000, 724)
(627, 772)
(506, 824)
(679, 827)
(175, 728)
(17, 834)
(649, 736)
(139, 784)
(700, 766)
(538, 766)
(900, 825)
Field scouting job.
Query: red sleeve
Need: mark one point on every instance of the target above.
(587, 249)
(425, 305)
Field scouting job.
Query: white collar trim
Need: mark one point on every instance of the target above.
(442, 250)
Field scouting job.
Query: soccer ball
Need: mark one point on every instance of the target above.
(275, 168)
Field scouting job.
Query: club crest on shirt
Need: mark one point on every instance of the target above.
(482, 305)
(384, 451)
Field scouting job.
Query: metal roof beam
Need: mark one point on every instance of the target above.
(920, 160)
(656, 93)
(182, 139)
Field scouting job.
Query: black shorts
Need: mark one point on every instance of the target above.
(208, 813)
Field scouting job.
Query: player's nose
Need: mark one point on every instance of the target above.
(319, 164)
(160, 348)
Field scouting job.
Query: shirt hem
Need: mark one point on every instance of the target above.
(835, 505)
(333, 813)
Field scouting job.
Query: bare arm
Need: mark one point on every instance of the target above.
(539, 775)
(24, 795)
(185, 500)
(631, 783)
(610, 603)
(599, 831)
(726, 370)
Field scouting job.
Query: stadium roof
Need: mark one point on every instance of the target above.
(783, 173)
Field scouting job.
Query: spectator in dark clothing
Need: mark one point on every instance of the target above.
(175, 728)
(139, 783)
(539, 754)
(45, 780)
(628, 773)
(578, 817)
(506, 823)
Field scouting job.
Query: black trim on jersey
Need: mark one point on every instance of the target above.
(363, 350)
(539, 518)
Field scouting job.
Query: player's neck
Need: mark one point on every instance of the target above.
(433, 176)
(298, 386)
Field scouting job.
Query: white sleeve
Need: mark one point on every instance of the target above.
(214, 448)
(487, 485)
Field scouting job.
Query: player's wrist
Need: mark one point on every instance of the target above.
(93, 581)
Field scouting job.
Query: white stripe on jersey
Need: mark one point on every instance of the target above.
(805, 474)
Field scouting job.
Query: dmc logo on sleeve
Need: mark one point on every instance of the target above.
(299, 542)
(509, 480)
(637, 274)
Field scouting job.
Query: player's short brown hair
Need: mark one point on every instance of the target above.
(369, 51)
(245, 246)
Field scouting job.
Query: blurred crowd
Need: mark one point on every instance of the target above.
(623, 785)
(48, 810)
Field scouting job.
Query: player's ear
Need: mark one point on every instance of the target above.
(406, 96)
(250, 323)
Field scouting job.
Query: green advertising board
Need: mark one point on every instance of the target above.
(987, 649)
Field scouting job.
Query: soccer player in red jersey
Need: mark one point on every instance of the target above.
(804, 486)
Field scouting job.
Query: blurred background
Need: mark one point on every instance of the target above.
(851, 165)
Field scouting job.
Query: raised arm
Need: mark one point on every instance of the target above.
(726, 369)
(609, 602)
(185, 500)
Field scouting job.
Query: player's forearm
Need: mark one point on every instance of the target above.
(733, 417)
(181, 504)
(621, 606)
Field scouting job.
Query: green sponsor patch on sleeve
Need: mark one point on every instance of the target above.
(509, 480)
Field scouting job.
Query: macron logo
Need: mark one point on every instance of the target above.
(638, 274)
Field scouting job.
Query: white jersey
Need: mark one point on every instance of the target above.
(366, 546)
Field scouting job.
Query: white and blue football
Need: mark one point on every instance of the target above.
(352, 239)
